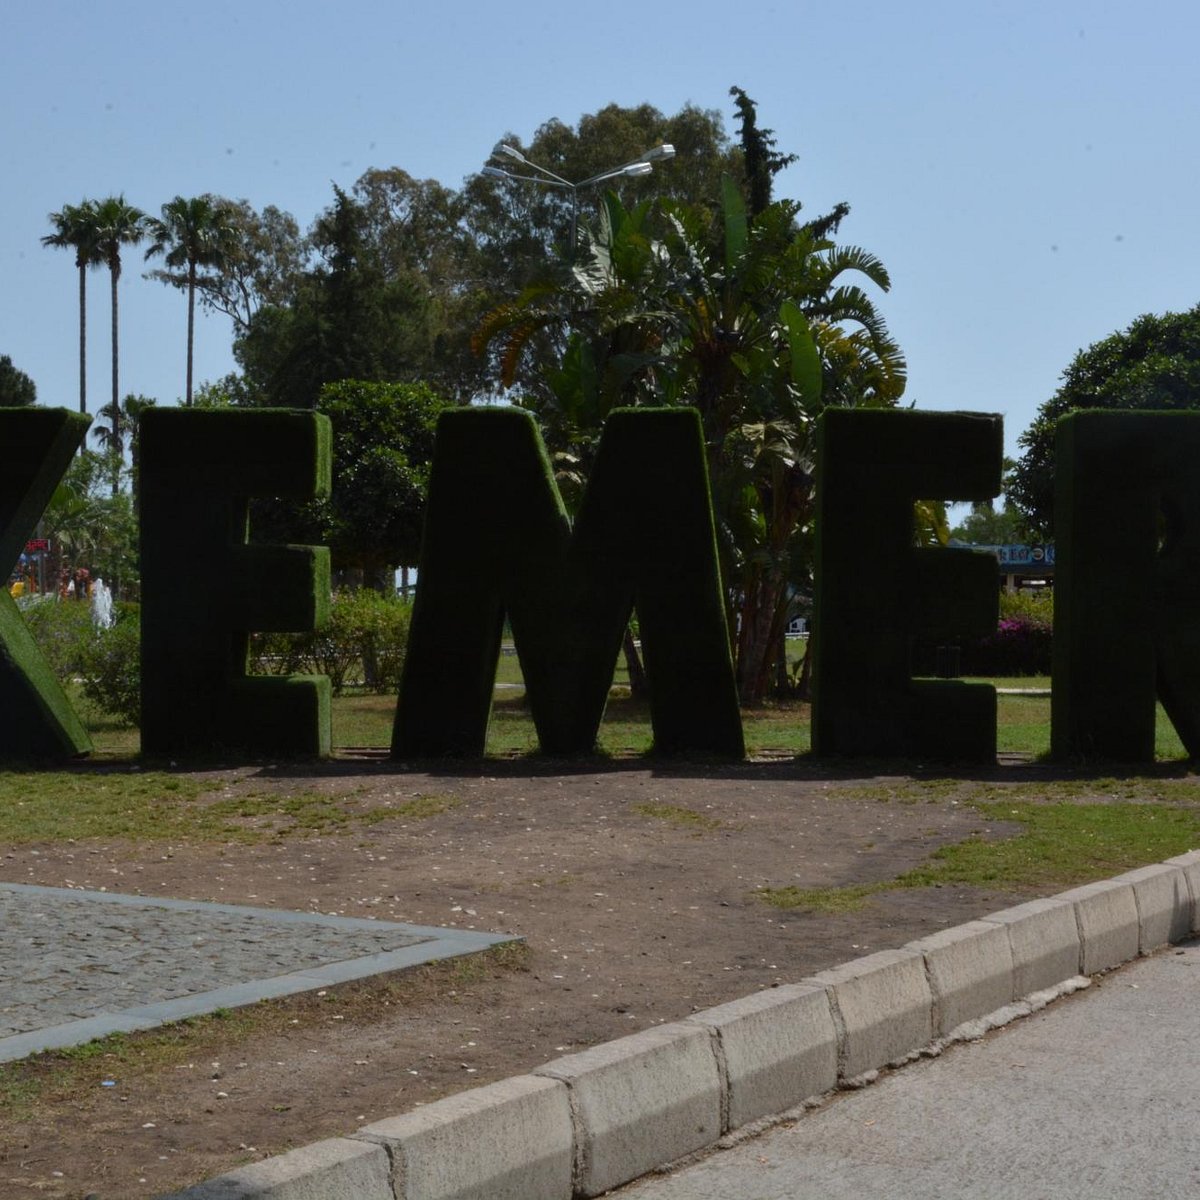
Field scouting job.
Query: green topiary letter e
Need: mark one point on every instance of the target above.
(38, 444)
(1127, 584)
(876, 591)
(204, 589)
(498, 540)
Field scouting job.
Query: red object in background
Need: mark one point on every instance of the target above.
(36, 544)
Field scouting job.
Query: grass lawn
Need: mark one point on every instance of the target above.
(362, 720)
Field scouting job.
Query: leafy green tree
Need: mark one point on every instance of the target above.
(383, 436)
(351, 319)
(116, 224)
(16, 388)
(262, 264)
(191, 234)
(1154, 364)
(75, 229)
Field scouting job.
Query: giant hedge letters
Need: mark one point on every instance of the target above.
(204, 589)
(875, 591)
(37, 718)
(1127, 591)
(498, 541)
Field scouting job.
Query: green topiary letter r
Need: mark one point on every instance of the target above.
(204, 589)
(38, 720)
(1127, 527)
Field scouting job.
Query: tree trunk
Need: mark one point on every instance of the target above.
(116, 404)
(804, 683)
(83, 338)
(191, 328)
(639, 684)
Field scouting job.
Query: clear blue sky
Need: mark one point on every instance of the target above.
(1027, 171)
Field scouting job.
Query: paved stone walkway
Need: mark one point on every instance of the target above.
(76, 965)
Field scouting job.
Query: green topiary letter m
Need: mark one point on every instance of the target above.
(498, 540)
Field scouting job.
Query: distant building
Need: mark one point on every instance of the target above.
(1021, 568)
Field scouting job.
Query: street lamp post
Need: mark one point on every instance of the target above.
(642, 165)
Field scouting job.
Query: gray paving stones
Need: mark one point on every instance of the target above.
(77, 965)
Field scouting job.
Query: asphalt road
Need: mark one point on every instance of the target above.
(1097, 1096)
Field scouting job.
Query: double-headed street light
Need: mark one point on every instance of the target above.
(642, 165)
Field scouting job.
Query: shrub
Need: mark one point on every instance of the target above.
(111, 666)
(1020, 646)
(362, 645)
(62, 630)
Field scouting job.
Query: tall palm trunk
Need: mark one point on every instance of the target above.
(82, 337)
(115, 271)
(191, 326)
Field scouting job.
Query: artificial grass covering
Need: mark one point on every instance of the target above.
(498, 542)
(876, 591)
(39, 721)
(205, 589)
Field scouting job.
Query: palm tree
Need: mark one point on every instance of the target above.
(191, 234)
(112, 429)
(757, 329)
(117, 224)
(75, 229)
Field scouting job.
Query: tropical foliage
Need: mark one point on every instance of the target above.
(75, 229)
(759, 328)
(191, 234)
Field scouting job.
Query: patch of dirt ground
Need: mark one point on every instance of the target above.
(634, 887)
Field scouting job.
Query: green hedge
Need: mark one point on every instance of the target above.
(877, 593)
(204, 590)
(498, 541)
(362, 644)
(38, 445)
(1127, 578)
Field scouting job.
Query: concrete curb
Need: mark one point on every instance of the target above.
(588, 1122)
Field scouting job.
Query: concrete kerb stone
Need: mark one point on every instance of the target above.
(600, 1118)
(778, 1048)
(970, 972)
(882, 1008)
(1189, 864)
(1043, 936)
(511, 1140)
(1107, 916)
(337, 1169)
(639, 1102)
(1164, 904)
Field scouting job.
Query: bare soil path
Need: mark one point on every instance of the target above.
(633, 886)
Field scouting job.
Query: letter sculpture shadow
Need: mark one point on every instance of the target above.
(498, 540)
(1127, 582)
(204, 589)
(38, 719)
(876, 591)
